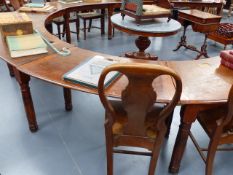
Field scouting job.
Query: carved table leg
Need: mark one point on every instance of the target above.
(11, 71)
(182, 39)
(23, 80)
(142, 44)
(203, 49)
(68, 99)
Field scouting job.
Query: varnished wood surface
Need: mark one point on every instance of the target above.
(40, 66)
(200, 17)
(204, 80)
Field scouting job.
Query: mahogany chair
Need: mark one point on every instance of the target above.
(136, 9)
(132, 122)
(60, 21)
(90, 16)
(218, 124)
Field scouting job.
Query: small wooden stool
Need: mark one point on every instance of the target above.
(223, 35)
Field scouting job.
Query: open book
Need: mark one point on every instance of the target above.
(89, 72)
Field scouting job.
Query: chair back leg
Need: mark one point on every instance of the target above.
(90, 24)
(102, 25)
(212, 148)
(156, 151)
(84, 28)
(168, 123)
(109, 149)
(77, 25)
(58, 31)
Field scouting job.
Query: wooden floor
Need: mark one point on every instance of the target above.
(65, 144)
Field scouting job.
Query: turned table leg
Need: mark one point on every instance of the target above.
(68, 99)
(142, 44)
(188, 115)
(23, 80)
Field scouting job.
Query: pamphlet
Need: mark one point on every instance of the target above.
(89, 72)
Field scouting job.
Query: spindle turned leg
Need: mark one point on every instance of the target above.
(23, 80)
(68, 99)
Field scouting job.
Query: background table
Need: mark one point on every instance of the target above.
(159, 27)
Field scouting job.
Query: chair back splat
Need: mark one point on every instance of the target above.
(137, 120)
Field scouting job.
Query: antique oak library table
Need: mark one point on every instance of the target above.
(205, 82)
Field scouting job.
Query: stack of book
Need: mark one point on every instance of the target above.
(227, 58)
(22, 45)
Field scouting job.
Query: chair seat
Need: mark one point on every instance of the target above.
(121, 120)
(61, 19)
(208, 120)
(89, 15)
(155, 10)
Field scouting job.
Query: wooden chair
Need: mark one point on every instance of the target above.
(90, 16)
(218, 124)
(60, 21)
(133, 122)
(136, 9)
